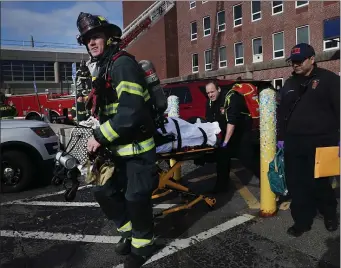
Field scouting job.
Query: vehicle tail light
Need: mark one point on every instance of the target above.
(44, 132)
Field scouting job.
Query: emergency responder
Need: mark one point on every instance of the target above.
(83, 77)
(6, 111)
(309, 118)
(215, 113)
(127, 129)
(241, 138)
(82, 113)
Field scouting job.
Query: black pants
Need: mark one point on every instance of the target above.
(126, 198)
(241, 147)
(308, 194)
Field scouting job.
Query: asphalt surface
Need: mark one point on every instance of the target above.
(44, 231)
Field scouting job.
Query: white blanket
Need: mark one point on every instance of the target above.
(190, 134)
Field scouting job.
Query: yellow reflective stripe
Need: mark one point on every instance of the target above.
(146, 95)
(108, 132)
(73, 108)
(129, 87)
(125, 228)
(139, 243)
(138, 148)
(110, 109)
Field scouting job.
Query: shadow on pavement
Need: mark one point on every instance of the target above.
(331, 258)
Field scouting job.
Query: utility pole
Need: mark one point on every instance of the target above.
(32, 41)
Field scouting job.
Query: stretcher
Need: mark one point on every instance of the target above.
(168, 185)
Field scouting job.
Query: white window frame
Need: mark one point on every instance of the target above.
(255, 13)
(210, 64)
(203, 26)
(273, 46)
(195, 69)
(192, 34)
(223, 24)
(276, 79)
(191, 6)
(222, 62)
(259, 37)
(235, 54)
(332, 48)
(241, 19)
(273, 7)
(296, 6)
(303, 26)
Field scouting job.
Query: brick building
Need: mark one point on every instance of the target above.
(228, 39)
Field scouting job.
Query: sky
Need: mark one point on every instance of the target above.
(51, 21)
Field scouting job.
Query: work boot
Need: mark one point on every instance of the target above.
(331, 224)
(297, 231)
(123, 247)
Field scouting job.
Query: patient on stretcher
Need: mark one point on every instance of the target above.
(182, 134)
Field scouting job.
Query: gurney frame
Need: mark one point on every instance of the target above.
(168, 185)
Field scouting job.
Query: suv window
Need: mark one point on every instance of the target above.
(183, 93)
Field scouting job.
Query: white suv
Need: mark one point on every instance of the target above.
(28, 150)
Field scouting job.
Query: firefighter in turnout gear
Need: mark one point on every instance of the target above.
(123, 105)
(82, 113)
(83, 77)
(6, 111)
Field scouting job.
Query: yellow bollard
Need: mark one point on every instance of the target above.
(267, 109)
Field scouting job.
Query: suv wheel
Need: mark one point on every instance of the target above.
(16, 171)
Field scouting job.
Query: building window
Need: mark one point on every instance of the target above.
(65, 70)
(278, 45)
(194, 31)
(237, 15)
(208, 60)
(301, 3)
(238, 54)
(207, 26)
(257, 49)
(17, 70)
(222, 57)
(278, 83)
(331, 34)
(256, 13)
(277, 7)
(195, 63)
(302, 35)
(192, 4)
(221, 21)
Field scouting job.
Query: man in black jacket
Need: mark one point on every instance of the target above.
(123, 106)
(309, 118)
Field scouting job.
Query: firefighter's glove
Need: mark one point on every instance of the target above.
(280, 144)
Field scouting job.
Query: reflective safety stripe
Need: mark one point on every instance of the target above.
(125, 228)
(146, 95)
(129, 87)
(136, 148)
(108, 132)
(7, 117)
(139, 243)
(110, 109)
(73, 108)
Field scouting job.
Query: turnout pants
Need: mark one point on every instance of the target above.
(308, 194)
(126, 199)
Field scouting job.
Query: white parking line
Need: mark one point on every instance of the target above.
(42, 196)
(74, 204)
(179, 244)
(61, 236)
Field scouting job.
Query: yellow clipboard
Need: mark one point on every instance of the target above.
(327, 162)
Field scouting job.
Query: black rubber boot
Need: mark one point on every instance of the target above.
(123, 247)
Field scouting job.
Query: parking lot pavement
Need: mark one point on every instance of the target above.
(46, 231)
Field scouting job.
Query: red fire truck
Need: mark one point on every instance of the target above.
(32, 106)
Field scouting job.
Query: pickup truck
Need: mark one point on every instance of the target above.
(28, 149)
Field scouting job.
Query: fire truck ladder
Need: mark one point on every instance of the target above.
(145, 21)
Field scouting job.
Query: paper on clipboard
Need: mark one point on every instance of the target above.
(327, 162)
